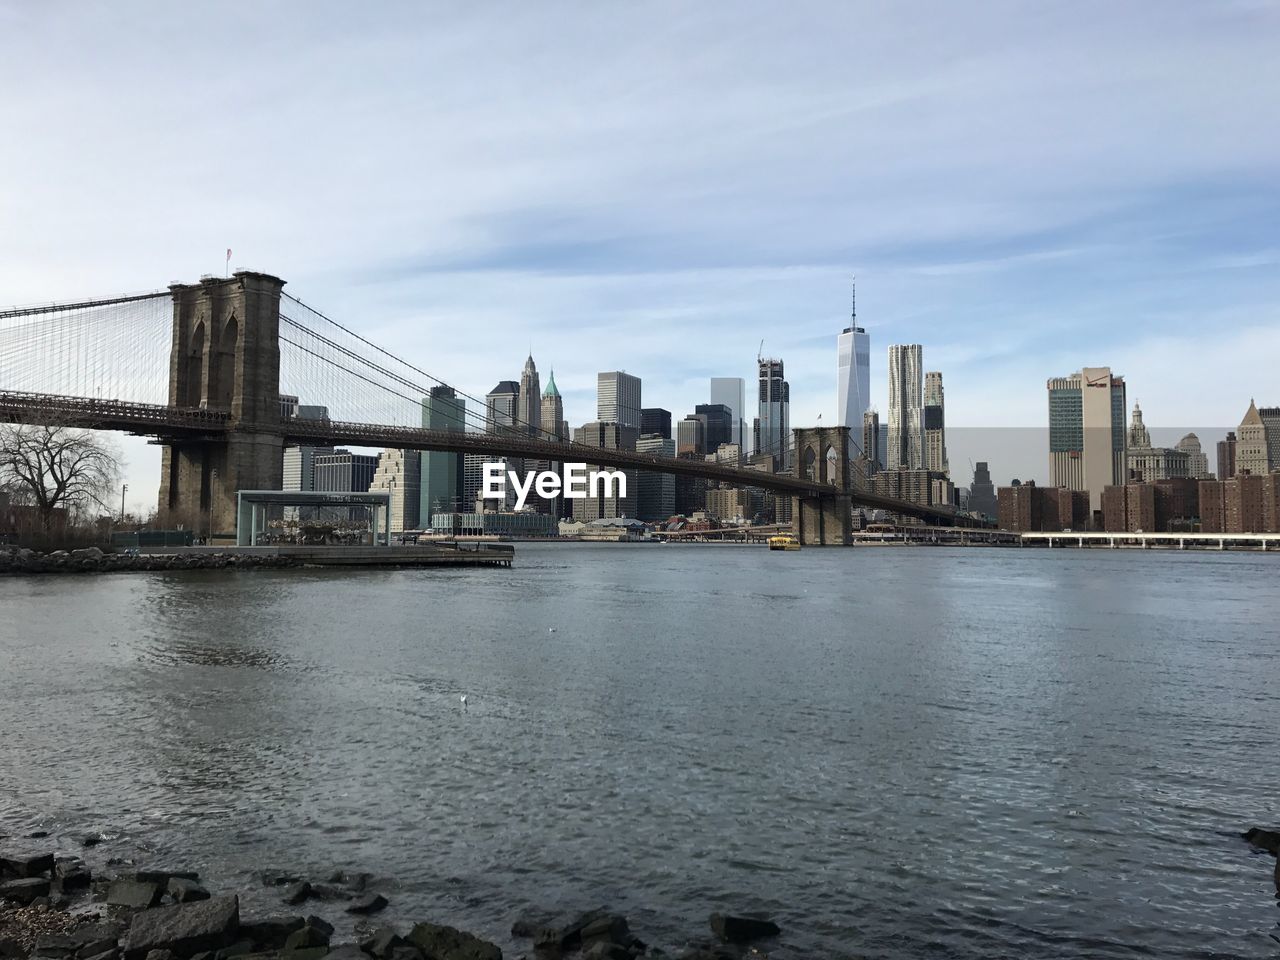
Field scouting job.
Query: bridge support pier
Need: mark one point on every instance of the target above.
(822, 455)
(225, 357)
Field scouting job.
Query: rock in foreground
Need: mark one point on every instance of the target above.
(184, 928)
(742, 929)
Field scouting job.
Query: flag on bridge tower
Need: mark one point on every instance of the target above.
(228, 261)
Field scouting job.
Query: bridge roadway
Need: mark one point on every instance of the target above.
(156, 420)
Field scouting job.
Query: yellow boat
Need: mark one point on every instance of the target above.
(784, 541)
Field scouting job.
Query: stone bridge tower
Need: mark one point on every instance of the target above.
(822, 454)
(226, 358)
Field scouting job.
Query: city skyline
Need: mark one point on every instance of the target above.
(1133, 213)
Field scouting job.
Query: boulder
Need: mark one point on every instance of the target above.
(133, 894)
(20, 864)
(55, 945)
(297, 893)
(270, 933)
(606, 950)
(90, 937)
(369, 903)
(742, 929)
(11, 948)
(161, 877)
(1268, 840)
(566, 935)
(278, 878)
(183, 890)
(346, 951)
(439, 942)
(184, 928)
(112, 954)
(86, 553)
(25, 890)
(320, 923)
(75, 878)
(382, 942)
(612, 929)
(240, 948)
(306, 938)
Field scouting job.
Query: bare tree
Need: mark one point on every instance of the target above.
(55, 466)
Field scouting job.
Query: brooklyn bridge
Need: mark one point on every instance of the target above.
(200, 368)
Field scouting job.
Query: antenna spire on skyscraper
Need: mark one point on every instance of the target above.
(853, 304)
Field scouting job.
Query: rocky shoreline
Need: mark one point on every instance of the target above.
(54, 907)
(23, 562)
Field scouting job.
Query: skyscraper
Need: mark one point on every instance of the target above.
(1253, 446)
(691, 436)
(1087, 442)
(528, 407)
(772, 429)
(1227, 457)
(853, 376)
(440, 476)
(732, 393)
(618, 398)
(1197, 461)
(935, 435)
(502, 407)
(871, 440)
(552, 413)
(906, 408)
(656, 499)
(611, 436)
(655, 420)
(719, 422)
(399, 474)
(982, 492)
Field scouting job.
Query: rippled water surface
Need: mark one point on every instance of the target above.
(895, 753)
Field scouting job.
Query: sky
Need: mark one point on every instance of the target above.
(1024, 189)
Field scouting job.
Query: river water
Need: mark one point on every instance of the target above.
(897, 752)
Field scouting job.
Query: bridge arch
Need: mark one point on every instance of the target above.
(193, 379)
(222, 366)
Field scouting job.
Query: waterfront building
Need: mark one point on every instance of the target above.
(1162, 506)
(398, 473)
(655, 420)
(872, 442)
(1087, 442)
(935, 437)
(929, 488)
(719, 424)
(1253, 446)
(1248, 503)
(656, 496)
(1025, 507)
(1226, 457)
(618, 399)
(1197, 462)
(906, 407)
(609, 436)
(731, 392)
(771, 434)
(529, 399)
(853, 378)
(982, 492)
(691, 436)
(440, 472)
(495, 523)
